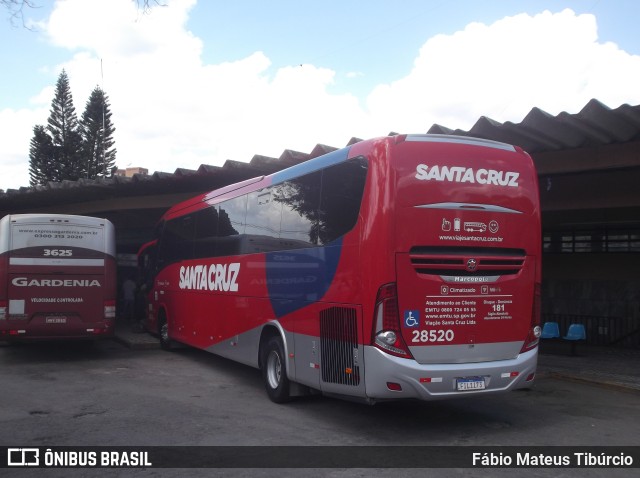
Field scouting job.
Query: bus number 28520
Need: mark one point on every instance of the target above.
(433, 335)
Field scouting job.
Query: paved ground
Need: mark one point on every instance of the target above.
(64, 395)
(605, 366)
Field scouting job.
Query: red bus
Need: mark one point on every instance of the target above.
(57, 277)
(399, 267)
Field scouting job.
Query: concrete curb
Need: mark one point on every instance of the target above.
(136, 341)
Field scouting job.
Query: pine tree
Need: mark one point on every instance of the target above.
(56, 150)
(97, 135)
(65, 133)
(41, 157)
(67, 149)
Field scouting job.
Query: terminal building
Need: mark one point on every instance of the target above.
(588, 167)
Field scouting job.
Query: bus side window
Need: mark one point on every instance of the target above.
(206, 233)
(264, 215)
(342, 189)
(177, 240)
(231, 226)
(147, 267)
(300, 199)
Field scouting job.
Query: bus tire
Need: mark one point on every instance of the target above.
(274, 371)
(163, 331)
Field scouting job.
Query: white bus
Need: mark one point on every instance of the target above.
(57, 277)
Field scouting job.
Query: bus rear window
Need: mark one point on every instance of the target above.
(342, 188)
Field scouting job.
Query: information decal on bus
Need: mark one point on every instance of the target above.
(211, 277)
(460, 174)
(467, 305)
(31, 237)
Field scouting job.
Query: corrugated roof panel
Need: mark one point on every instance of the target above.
(264, 162)
(139, 178)
(162, 175)
(487, 128)
(593, 133)
(184, 172)
(559, 132)
(230, 164)
(630, 113)
(439, 129)
(291, 157)
(540, 131)
(208, 169)
(321, 149)
(617, 125)
(529, 139)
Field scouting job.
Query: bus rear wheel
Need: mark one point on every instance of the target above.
(274, 371)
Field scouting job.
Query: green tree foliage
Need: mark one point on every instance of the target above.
(41, 156)
(55, 150)
(97, 135)
(64, 129)
(67, 149)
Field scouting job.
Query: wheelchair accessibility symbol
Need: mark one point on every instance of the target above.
(412, 318)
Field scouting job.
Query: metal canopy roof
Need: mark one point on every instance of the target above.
(595, 125)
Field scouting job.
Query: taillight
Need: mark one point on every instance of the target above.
(533, 337)
(386, 333)
(3, 309)
(98, 331)
(109, 309)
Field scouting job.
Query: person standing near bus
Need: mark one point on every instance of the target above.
(128, 298)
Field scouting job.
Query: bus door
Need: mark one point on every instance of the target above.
(146, 276)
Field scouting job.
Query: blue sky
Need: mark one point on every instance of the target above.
(378, 38)
(201, 82)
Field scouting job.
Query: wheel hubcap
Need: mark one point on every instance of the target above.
(274, 369)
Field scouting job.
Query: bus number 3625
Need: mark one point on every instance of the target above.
(433, 335)
(58, 252)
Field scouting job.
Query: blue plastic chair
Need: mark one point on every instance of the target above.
(575, 333)
(550, 330)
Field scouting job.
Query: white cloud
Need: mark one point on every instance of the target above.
(552, 61)
(14, 147)
(170, 110)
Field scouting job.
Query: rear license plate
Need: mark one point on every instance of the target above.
(55, 320)
(470, 383)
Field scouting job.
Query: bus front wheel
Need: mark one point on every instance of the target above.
(163, 331)
(274, 371)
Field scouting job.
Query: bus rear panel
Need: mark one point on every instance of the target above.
(58, 277)
(467, 265)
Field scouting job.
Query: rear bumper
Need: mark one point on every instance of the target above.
(19, 331)
(438, 381)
